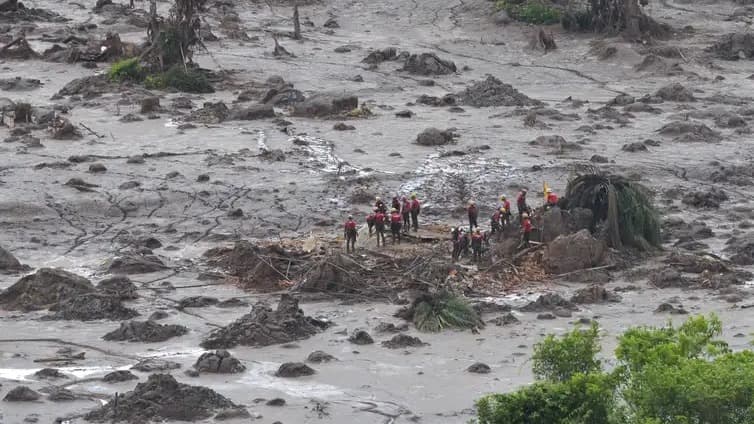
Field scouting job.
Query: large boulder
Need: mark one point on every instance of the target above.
(322, 105)
(220, 362)
(573, 252)
(434, 137)
(43, 289)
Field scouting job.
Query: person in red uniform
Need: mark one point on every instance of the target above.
(526, 228)
(415, 210)
(505, 219)
(379, 226)
(552, 199)
(473, 212)
(395, 225)
(396, 204)
(476, 244)
(350, 233)
(406, 212)
(380, 205)
(523, 208)
(496, 220)
(370, 221)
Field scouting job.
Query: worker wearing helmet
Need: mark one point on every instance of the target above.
(370, 221)
(552, 199)
(415, 210)
(380, 205)
(496, 221)
(505, 219)
(350, 234)
(476, 244)
(395, 225)
(473, 212)
(379, 225)
(521, 203)
(406, 213)
(526, 228)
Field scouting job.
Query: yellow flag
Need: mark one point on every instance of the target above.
(544, 190)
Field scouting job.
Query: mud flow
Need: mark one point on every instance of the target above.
(172, 227)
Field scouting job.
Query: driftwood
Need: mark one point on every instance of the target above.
(18, 48)
(296, 23)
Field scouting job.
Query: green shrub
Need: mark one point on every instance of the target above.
(443, 310)
(559, 359)
(664, 375)
(186, 80)
(535, 12)
(583, 399)
(126, 69)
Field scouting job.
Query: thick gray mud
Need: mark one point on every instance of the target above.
(167, 196)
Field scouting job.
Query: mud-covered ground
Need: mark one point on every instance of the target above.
(48, 223)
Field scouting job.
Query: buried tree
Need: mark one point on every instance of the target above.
(625, 208)
(612, 17)
(667, 375)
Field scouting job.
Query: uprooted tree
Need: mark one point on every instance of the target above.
(172, 40)
(624, 209)
(612, 17)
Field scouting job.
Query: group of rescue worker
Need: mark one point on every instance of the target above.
(403, 216)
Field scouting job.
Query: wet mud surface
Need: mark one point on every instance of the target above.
(121, 191)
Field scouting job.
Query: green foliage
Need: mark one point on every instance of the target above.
(582, 399)
(186, 80)
(536, 12)
(444, 310)
(625, 206)
(126, 69)
(169, 42)
(559, 359)
(664, 375)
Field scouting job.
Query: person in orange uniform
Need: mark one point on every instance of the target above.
(395, 225)
(370, 221)
(415, 210)
(473, 212)
(526, 228)
(350, 233)
(379, 226)
(552, 199)
(505, 219)
(521, 203)
(406, 212)
(476, 244)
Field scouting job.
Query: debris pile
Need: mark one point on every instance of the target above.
(145, 331)
(119, 286)
(92, 306)
(160, 398)
(493, 92)
(595, 293)
(734, 46)
(45, 288)
(400, 341)
(573, 252)
(264, 326)
(428, 64)
(261, 267)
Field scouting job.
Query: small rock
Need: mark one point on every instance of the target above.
(59, 394)
(49, 373)
(546, 316)
(96, 168)
(361, 337)
(507, 319)
(598, 159)
(119, 376)
(276, 402)
(479, 368)
(400, 341)
(318, 357)
(331, 23)
(667, 307)
(294, 369)
(634, 147)
(236, 213)
(340, 126)
(153, 364)
(232, 413)
(404, 114)
(136, 160)
(202, 178)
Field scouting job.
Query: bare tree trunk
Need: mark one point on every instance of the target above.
(632, 14)
(296, 23)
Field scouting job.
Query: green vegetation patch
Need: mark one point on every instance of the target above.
(537, 12)
(126, 70)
